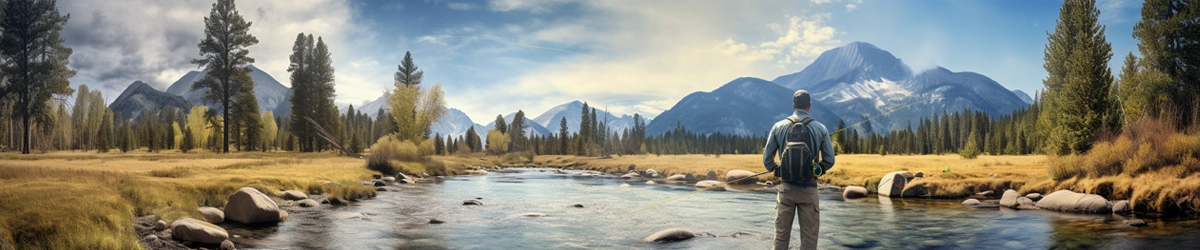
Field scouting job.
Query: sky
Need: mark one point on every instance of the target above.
(498, 56)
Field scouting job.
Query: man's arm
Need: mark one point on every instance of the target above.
(826, 152)
(769, 151)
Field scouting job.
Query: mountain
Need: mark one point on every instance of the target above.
(372, 108)
(1024, 97)
(455, 123)
(139, 97)
(532, 128)
(552, 118)
(855, 83)
(744, 106)
(272, 95)
(859, 59)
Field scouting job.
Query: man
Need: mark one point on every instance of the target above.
(798, 196)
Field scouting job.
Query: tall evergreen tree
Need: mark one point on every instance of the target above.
(563, 134)
(474, 143)
(1077, 97)
(225, 59)
(105, 138)
(414, 108)
(1169, 40)
(34, 62)
(516, 132)
(500, 124)
(312, 76)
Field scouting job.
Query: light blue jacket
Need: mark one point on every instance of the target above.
(777, 141)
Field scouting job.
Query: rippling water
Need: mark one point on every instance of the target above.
(734, 219)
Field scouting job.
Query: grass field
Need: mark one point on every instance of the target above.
(75, 200)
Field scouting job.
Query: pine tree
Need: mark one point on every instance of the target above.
(439, 144)
(500, 124)
(1077, 97)
(225, 58)
(473, 141)
(104, 140)
(1169, 40)
(34, 62)
(188, 140)
(516, 132)
(563, 134)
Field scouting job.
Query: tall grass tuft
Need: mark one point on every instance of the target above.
(1066, 167)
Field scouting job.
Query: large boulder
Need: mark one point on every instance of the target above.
(689, 177)
(212, 214)
(1068, 201)
(892, 184)
(853, 192)
(309, 203)
(650, 173)
(250, 206)
(293, 195)
(738, 176)
(669, 235)
(711, 176)
(194, 230)
(711, 185)
(1009, 199)
(631, 175)
(677, 177)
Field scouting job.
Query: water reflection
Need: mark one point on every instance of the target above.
(741, 218)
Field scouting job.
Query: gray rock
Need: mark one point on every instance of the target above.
(988, 193)
(738, 176)
(338, 201)
(227, 245)
(669, 235)
(970, 202)
(348, 216)
(854, 192)
(712, 175)
(477, 172)
(1034, 196)
(160, 225)
(472, 203)
(919, 174)
(380, 189)
(711, 185)
(1121, 207)
(631, 175)
(250, 206)
(380, 183)
(650, 183)
(198, 231)
(149, 238)
(677, 177)
(533, 215)
(578, 205)
(650, 173)
(389, 179)
(1068, 201)
(293, 195)
(632, 168)
(892, 184)
(309, 203)
(212, 214)
(436, 221)
(1136, 223)
(1025, 201)
(689, 177)
(1009, 199)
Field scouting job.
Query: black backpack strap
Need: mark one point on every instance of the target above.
(805, 121)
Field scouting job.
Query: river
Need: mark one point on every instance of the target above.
(735, 219)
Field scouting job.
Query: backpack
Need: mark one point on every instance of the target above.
(797, 163)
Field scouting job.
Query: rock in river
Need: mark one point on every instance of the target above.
(892, 184)
(1009, 199)
(669, 235)
(472, 202)
(711, 185)
(212, 214)
(1068, 201)
(198, 231)
(677, 177)
(309, 203)
(853, 192)
(741, 176)
(250, 206)
(293, 195)
(1121, 207)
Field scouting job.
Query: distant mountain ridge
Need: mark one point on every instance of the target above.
(853, 82)
(139, 97)
(271, 94)
(552, 118)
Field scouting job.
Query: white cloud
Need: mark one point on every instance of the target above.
(851, 7)
(804, 38)
(532, 6)
(460, 6)
(821, 1)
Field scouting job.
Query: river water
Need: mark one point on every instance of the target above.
(735, 219)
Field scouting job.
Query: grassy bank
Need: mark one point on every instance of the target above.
(966, 176)
(74, 200)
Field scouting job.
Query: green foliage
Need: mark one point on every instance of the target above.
(1168, 37)
(188, 142)
(35, 62)
(312, 76)
(224, 55)
(1077, 96)
(270, 130)
(497, 142)
(971, 149)
(388, 149)
(516, 132)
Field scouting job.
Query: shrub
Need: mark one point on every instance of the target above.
(1066, 167)
(969, 152)
(176, 172)
(388, 149)
(1108, 158)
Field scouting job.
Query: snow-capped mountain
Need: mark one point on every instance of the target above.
(853, 82)
(744, 106)
(372, 108)
(1024, 96)
(532, 128)
(454, 124)
(271, 94)
(552, 118)
(139, 97)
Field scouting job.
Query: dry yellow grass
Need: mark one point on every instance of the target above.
(74, 200)
(966, 176)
